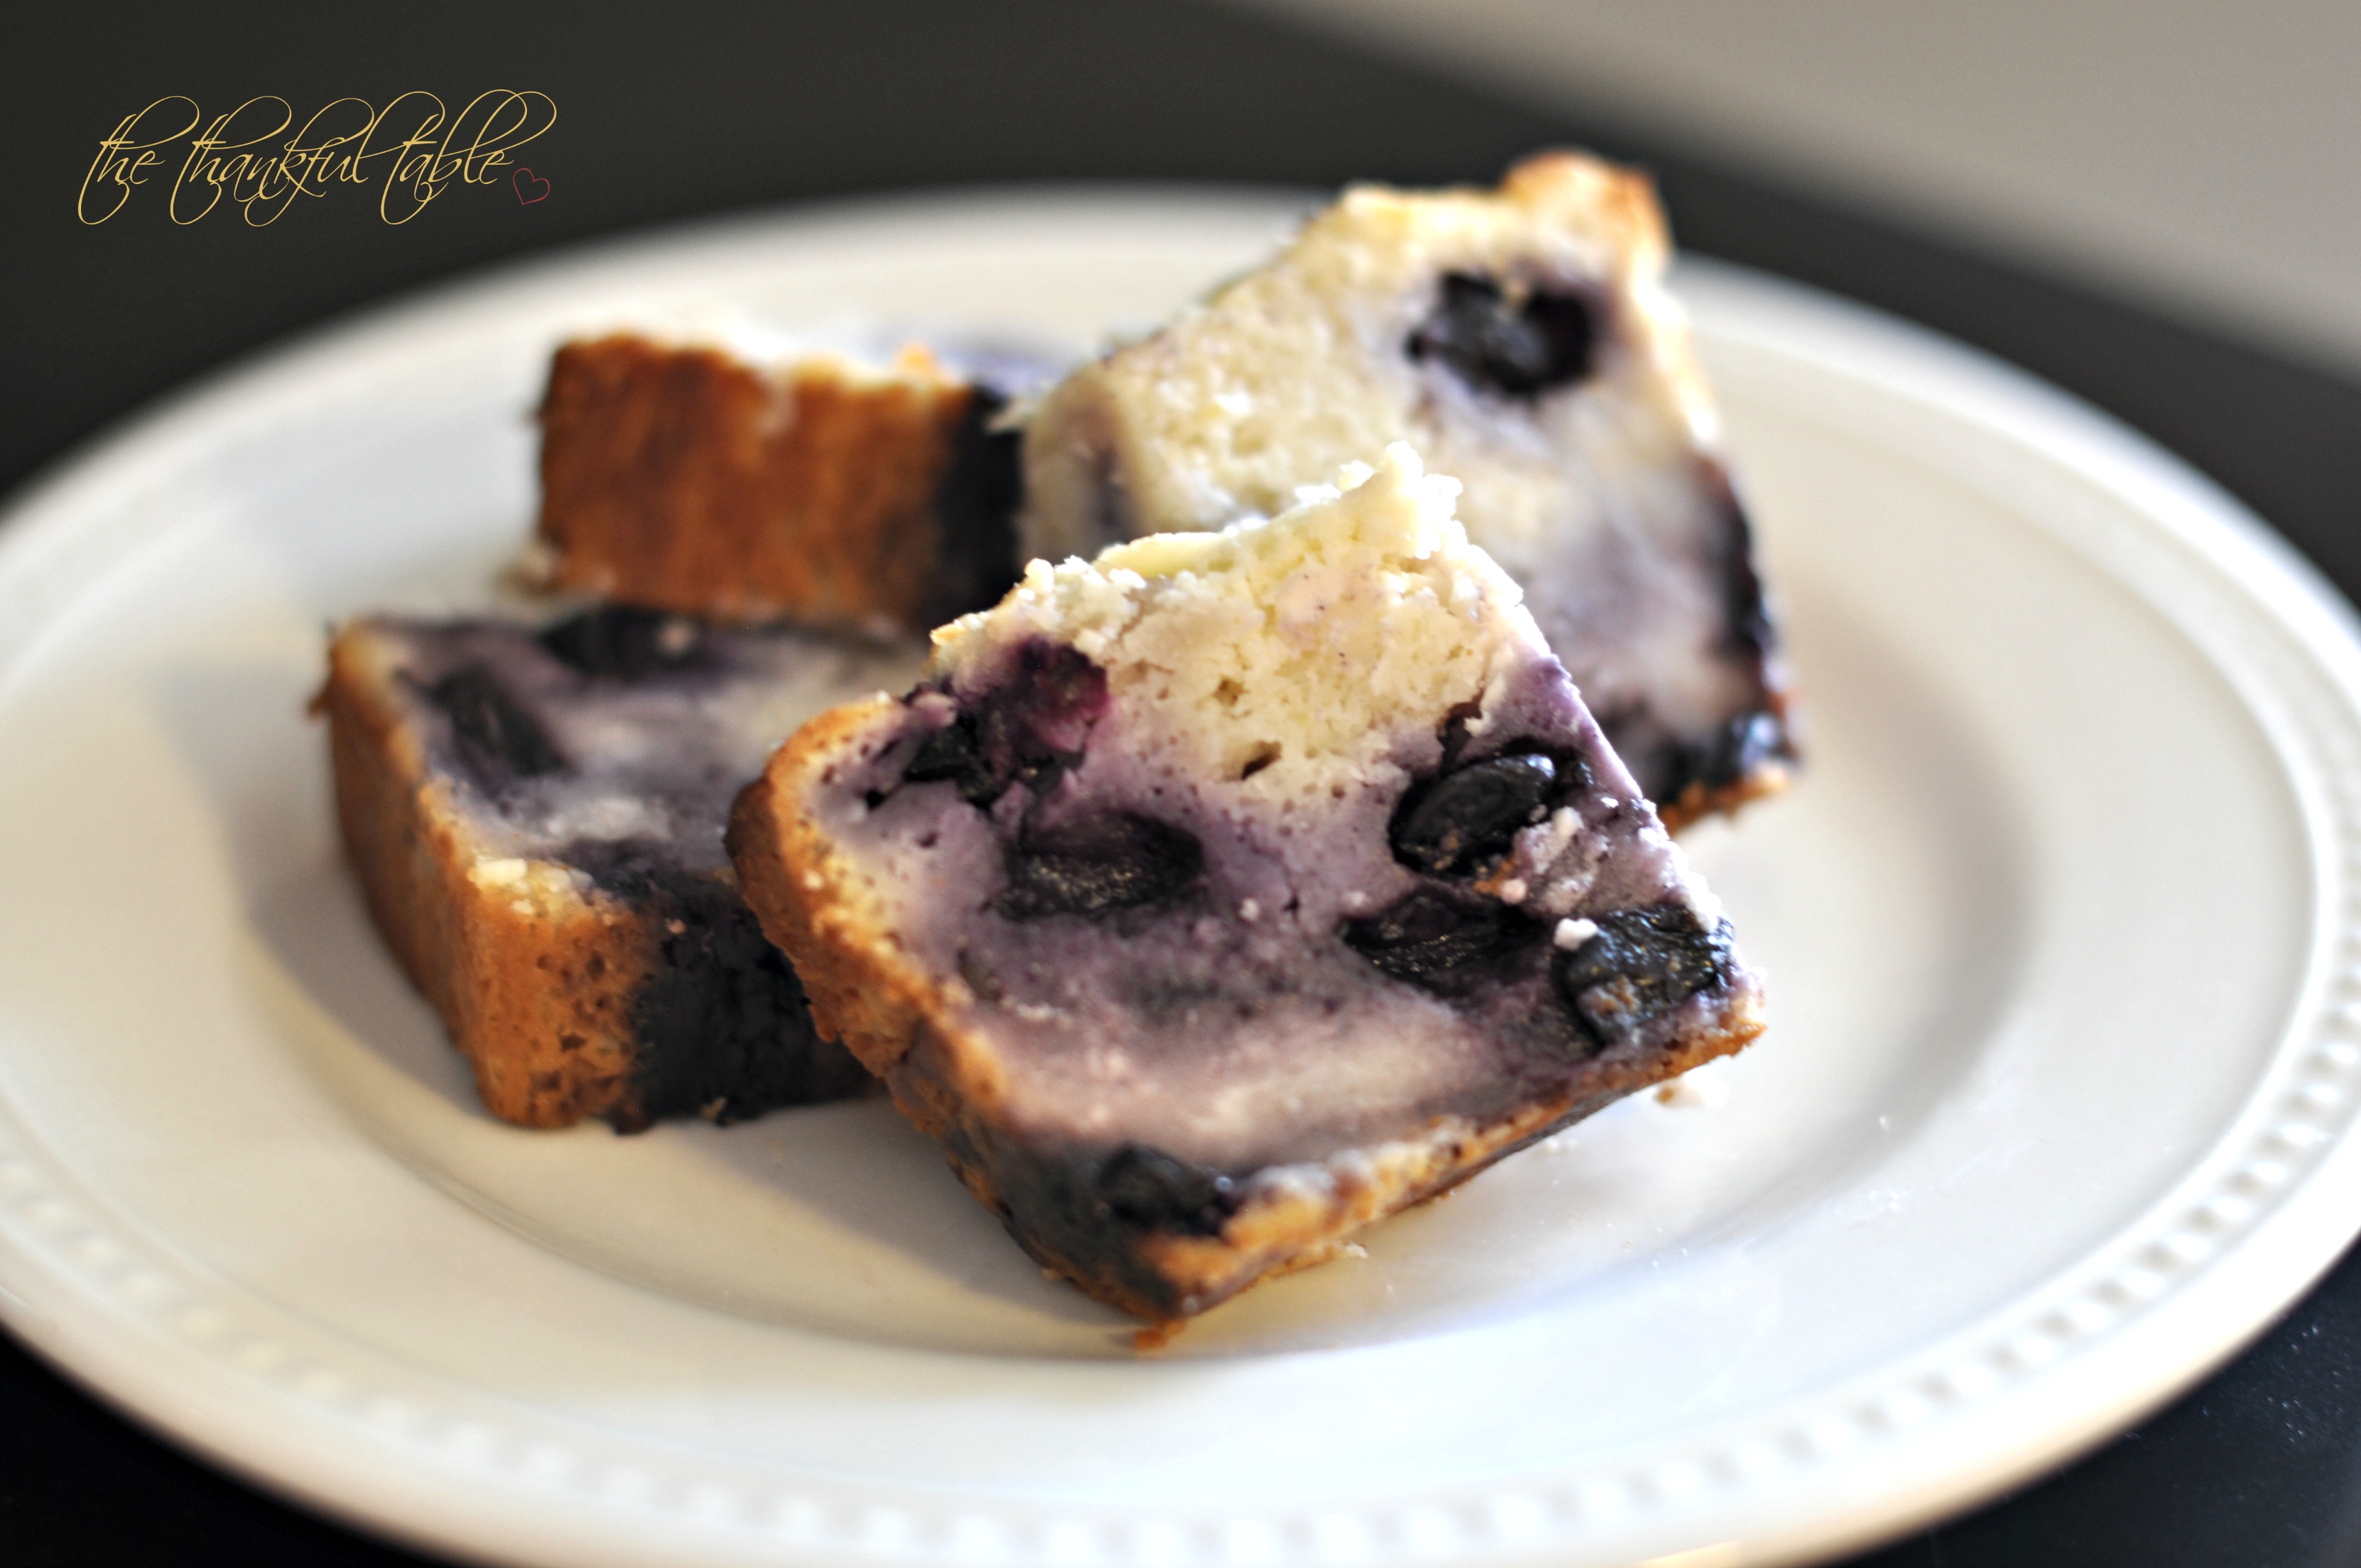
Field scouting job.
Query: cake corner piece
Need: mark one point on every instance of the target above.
(1211, 900)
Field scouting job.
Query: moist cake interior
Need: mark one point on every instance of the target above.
(612, 743)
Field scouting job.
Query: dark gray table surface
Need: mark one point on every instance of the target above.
(690, 109)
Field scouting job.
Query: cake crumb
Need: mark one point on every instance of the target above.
(1572, 934)
(1699, 1089)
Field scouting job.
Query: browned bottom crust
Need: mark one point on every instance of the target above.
(686, 479)
(1697, 802)
(865, 992)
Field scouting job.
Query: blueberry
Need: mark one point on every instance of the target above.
(1520, 343)
(1722, 755)
(1027, 729)
(1466, 818)
(1642, 965)
(721, 1020)
(1152, 1191)
(951, 753)
(617, 642)
(983, 482)
(1104, 864)
(1435, 941)
(499, 738)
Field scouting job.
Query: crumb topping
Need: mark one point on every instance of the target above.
(1289, 651)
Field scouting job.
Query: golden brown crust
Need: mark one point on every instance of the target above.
(532, 976)
(683, 477)
(1622, 199)
(1697, 802)
(864, 991)
(1278, 1236)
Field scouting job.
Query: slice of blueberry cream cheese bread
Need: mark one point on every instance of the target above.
(1521, 339)
(1214, 899)
(716, 480)
(535, 819)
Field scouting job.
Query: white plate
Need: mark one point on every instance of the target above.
(2056, 1109)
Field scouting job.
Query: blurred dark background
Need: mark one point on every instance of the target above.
(689, 108)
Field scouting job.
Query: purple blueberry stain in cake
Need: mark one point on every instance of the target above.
(1748, 631)
(622, 725)
(1672, 754)
(1028, 725)
(622, 643)
(723, 1026)
(977, 501)
(1093, 1206)
(612, 743)
(1510, 338)
(1721, 756)
(500, 740)
(1023, 728)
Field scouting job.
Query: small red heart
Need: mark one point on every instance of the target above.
(524, 182)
